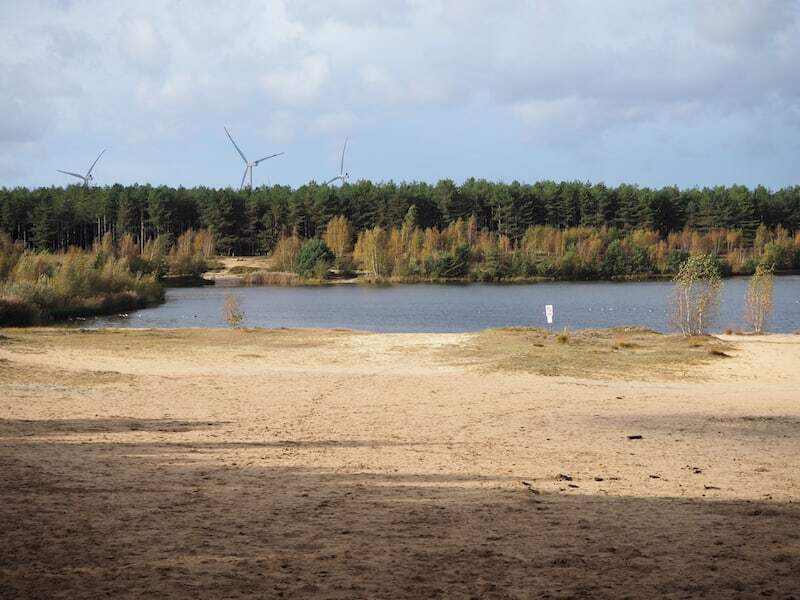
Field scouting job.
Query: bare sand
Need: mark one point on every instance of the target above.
(233, 268)
(330, 464)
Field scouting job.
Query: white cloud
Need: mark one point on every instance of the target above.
(143, 44)
(301, 83)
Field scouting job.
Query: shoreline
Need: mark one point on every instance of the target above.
(227, 280)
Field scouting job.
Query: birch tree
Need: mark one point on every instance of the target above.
(339, 238)
(696, 296)
(371, 251)
(758, 301)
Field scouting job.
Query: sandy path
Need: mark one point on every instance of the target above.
(340, 465)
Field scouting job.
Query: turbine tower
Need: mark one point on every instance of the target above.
(248, 165)
(88, 177)
(343, 175)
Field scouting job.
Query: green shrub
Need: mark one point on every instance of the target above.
(640, 262)
(676, 260)
(314, 259)
(191, 265)
(748, 266)
(520, 266)
(493, 267)
(448, 265)
(775, 257)
(546, 268)
(411, 270)
(615, 262)
(723, 267)
(321, 269)
(795, 263)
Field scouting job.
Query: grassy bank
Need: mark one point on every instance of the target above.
(43, 287)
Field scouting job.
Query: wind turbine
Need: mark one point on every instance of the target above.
(343, 175)
(88, 177)
(248, 165)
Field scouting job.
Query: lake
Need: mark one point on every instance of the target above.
(451, 308)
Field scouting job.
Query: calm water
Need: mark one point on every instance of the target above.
(450, 308)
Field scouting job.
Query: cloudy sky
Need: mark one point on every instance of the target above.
(677, 92)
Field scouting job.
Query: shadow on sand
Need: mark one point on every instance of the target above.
(137, 520)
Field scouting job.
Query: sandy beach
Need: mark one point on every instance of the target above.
(337, 464)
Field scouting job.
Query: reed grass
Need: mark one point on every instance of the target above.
(42, 287)
(262, 277)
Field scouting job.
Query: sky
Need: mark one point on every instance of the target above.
(674, 92)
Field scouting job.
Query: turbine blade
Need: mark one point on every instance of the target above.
(70, 173)
(89, 172)
(241, 185)
(260, 160)
(239, 150)
(330, 181)
(341, 166)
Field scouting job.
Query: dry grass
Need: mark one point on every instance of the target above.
(625, 353)
(620, 354)
(271, 278)
(235, 268)
(242, 270)
(621, 343)
(154, 342)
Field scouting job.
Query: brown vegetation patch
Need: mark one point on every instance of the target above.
(242, 269)
(591, 353)
(261, 277)
(152, 342)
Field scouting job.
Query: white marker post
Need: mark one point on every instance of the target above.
(548, 312)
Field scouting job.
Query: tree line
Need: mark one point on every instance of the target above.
(253, 221)
(464, 251)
